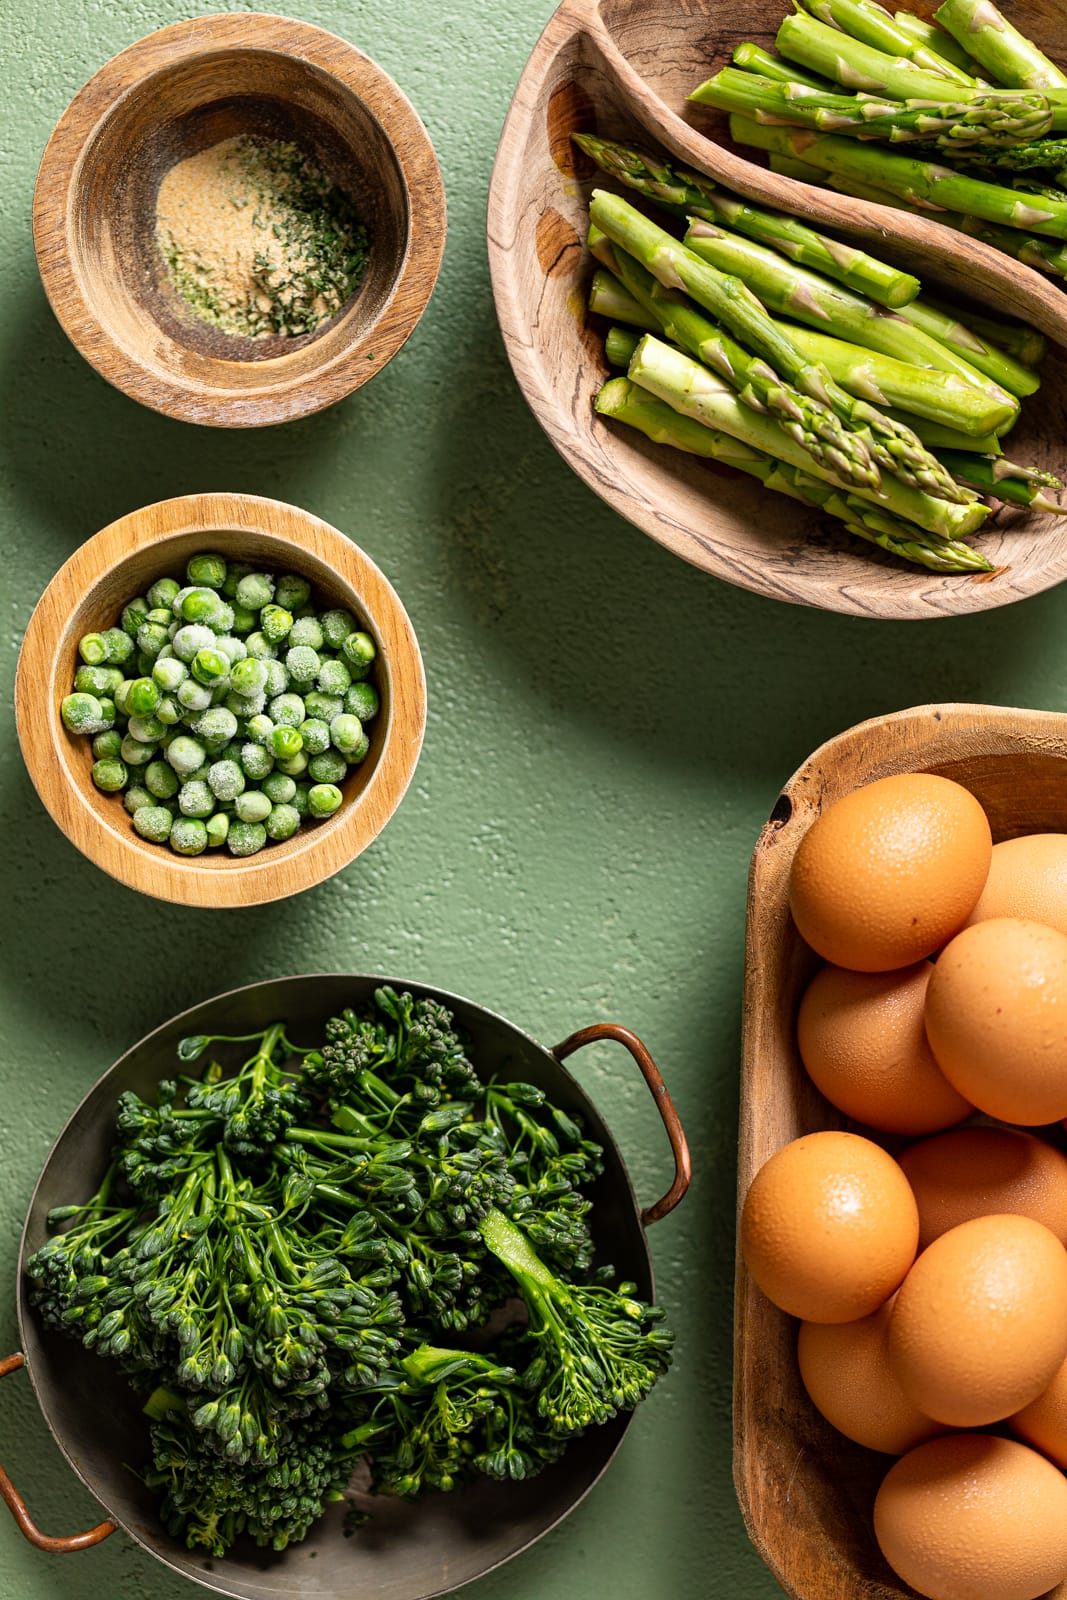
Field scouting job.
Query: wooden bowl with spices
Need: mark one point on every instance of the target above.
(89, 593)
(239, 220)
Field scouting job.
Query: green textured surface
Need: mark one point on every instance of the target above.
(608, 730)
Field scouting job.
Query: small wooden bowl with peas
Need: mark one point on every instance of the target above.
(233, 700)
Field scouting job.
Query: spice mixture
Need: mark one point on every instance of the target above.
(257, 240)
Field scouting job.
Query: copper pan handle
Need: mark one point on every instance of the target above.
(683, 1170)
(17, 1505)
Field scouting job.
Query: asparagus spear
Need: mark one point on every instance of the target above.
(750, 58)
(608, 298)
(623, 401)
(939, 43)
(806, 297)
(939, 439)
(996, 363)
(1028, 157)
(921, 181)
(725, 296)
(951, 401)
(1006, 480)
(1002, 50)
(787, 167)
(1025, 344)
(983, 125)
(872, 24)
(619, 346)
(690, 388)
(690, 194)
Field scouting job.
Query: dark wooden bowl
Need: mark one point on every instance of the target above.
(623, 68)
(806, 1492)
(173, 94)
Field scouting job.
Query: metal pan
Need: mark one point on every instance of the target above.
(407, 1552)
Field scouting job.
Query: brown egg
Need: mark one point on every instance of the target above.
(1027, 878)
(890, 871)
(996, 1018)
(862, 1039)
(846, 1370)
(973, 1172)
(973, 1517)
(1043, 1423)
(829, 1227)
(979, 1327)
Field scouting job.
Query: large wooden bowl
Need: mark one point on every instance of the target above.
(173, 94)
(805, 1491)
(88, 593)
(623, 68)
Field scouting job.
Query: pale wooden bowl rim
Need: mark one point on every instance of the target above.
(213, 879)
(276, 399)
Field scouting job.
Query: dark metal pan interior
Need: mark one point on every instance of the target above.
(407, 1552)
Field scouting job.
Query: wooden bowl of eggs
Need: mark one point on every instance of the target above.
(807, 1492)
(226, 114)
(91, 593)
(624, 72)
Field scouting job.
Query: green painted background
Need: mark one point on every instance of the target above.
(608, 730)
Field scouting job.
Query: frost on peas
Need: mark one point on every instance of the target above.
(193, 637)
(358, 752)
(256, 762)
(334, 678)
(287, 709)
(168, 672)
(161, 594)
(161, 780)
(336, 626)
(137, 796)
(277, 681)
(362, 701)
(106, 745)
(146, 730)
(226, 780)
(302, 664)
(283, 822)
(188, 836)
(255, 591)
(245, 838)
(245, 707)
(327, 768)
(222, 619)
(235, 571)
(248, 676)
(217, 828)
(208, 569)
(136, 754)
(292, 591)
(299, 802)
(232, 648)
(195, 798)
(169, 711)
(185, 755)
(107, 711)
(275, 622)
(151, 637)
(216, 724)
(96, 680)
(193, 696)
(260, 728)
(153, 823)
(109, 774)
(316, 735)
(306, 631)
(278, 788)
(345, 732)
(259, 647)
(323, 707)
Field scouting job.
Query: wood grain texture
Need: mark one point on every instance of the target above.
(623, 69)
(88, 593)
(805, 1491)
(172, 94)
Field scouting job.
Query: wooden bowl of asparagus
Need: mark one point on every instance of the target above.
(644, 305)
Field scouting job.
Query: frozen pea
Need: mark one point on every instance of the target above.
(199, 776)
(185, 755)
(221, 621)
(316, 735)
(161, 780)
(287, 709)
(208, 569)
(199, 605)
(232, 648)
(169, 711)
(277, 680)
(245, 838)
(359, 652)
(259, 647)
(244, 621)
(327, 768)
(283, 822)
(245, 706)
(256, 762)
(137, 796)
(168, 672)
(161, 594)
(119, 646)
(324, 706)
(195, 798)
(278, 788)
(109, 774)
(248, 677)
(323, 799)
(193, 696)
(217, 828)
(120, 694)
(293, 766)
(255, 591)
(161, 614)
(285, 742)
(132, 616)
(136, 754)
(92, 647)
(345, 732)
(252, 806)
(302, 664)
(260, 727)
(334, 677)
(107, 745)
(225, 779)
(292, 591)
(153, 822)
(209, 665)
(358, 752)
(362, 701)
(107, 711)
(299, 802)
(216, 724)
(336, 626)
(146, 730)
(275, 622)
(151, 637)
(193, 637)
(188, 836)
(306, 633)
(142, 697)
(235, 571)
(97, 680)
